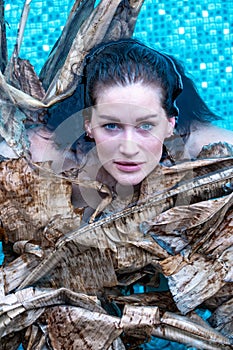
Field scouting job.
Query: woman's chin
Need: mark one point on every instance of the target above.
(128, 180)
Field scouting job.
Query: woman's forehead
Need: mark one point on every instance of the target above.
(133, 94)
(129, 104)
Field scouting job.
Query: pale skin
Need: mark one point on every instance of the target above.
(204, 134)
(129, 126)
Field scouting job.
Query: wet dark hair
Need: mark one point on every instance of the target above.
(129, 61)
(191, 106)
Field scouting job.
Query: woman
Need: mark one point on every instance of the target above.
(130, 93)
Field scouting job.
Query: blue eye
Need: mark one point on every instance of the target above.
(111, 126)
(146, 126)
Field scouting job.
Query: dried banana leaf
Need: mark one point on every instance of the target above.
(90, 330)
(35, 338)
(207, 277)
(16, 271)
(191, 332)
(91, 33)
(222, 319)
(182, 226)
(161, 299)
(125, 228)
(223, 295)
(11, 342)
(12, 73)
(33, 198)
(21, 75)
(11, 120)
(87, 323)
(222, 237)
(95, 271)
(124, 20)
(197, 280)
(109, 20)
(79, 13)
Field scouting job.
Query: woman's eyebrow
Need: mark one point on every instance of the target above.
(118, 120)
(146, 117)
(109, 117)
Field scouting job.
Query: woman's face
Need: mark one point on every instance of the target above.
(129, 126)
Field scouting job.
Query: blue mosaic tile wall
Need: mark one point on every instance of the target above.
(200, 33)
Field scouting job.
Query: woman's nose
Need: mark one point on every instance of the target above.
(128, 145)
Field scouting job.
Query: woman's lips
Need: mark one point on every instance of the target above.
(128, 166)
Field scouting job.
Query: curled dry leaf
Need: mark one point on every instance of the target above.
(79, 13)
(31, 198)
(118, 245)
(124, 228)
(21, 75)
(124, 20)
(222, 318)
(193, 224)
(83, 322)
(91, 32)
(11, 120)
(89, 330)
(196, 281)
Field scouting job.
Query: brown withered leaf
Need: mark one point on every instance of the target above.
(19, 319)
(90, 33)
(192, 225)
(21, 75)
(161, 299)
(196, 280)
(72, 327)
(190, 173)
(87, 26)
(192, 331)
(16, 271)
(31, 198)
(79, 13)
(12, 120)
(94, 266)
(222, 237)
(223, 295)
(124, 20)
(216, 150)
(19, 310)
(125, 228)
(83, 321)
(222, 318)
(12, 341)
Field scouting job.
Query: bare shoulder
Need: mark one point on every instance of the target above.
(42, 149)
(204, 134)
